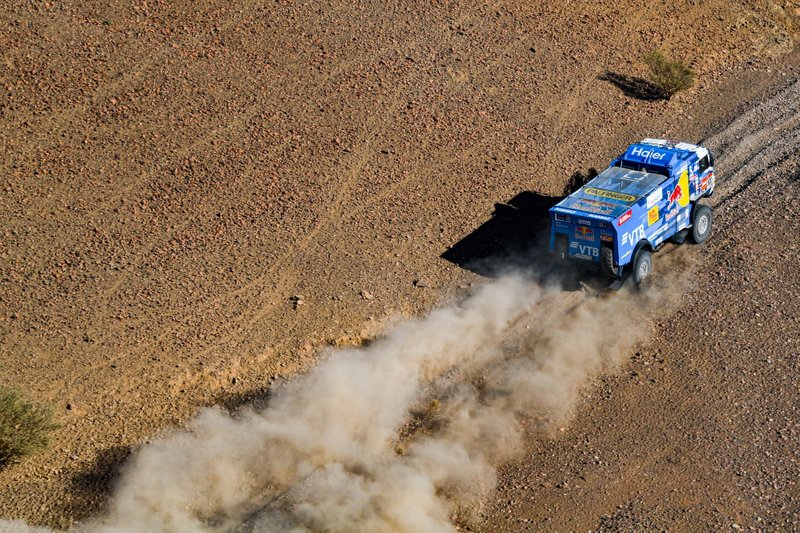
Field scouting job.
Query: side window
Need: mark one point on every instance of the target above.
(704, 164)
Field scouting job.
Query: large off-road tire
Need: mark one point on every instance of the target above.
(642, 267)
(607, 262)
(560, 249)
(701, 223)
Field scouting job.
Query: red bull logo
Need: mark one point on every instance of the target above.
(584, 233)
(676, 194)
(681, 192)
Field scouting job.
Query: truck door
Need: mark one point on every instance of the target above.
(656, 202)
(705, 171)
(676, 213)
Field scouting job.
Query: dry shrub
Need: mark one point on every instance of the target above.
(24, 425)
(669, 76)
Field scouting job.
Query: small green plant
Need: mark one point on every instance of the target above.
(24, 425)
(667, 75)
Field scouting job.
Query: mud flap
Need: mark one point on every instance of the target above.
(620, 281)
(680, 237)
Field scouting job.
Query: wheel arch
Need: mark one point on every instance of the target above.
(642, 244)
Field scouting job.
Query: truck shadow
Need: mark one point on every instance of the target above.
(517, 239)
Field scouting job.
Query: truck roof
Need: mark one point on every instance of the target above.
(612, 192)
(659, 155)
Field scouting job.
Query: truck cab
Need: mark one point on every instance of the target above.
(647, 195)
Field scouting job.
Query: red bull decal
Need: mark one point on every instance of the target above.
(681, 192)
(583, 233)
(671, 215)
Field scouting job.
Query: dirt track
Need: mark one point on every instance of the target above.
(701, 430)
(174, 174)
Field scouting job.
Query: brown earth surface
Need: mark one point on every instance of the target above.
(197, 196)
(700, 429)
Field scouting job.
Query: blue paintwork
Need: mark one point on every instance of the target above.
(645, 197)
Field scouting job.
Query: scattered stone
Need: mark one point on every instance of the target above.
(421, 283)
(366, 295)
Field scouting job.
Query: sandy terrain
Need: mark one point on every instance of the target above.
(196, 197)
(700, 430)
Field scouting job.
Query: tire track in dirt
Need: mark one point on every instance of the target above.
(334, 213)
(273, 295)
(414, 177)
(761, 139)
(58, 123)
(333, 209)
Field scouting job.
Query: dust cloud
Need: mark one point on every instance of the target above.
(402, 435)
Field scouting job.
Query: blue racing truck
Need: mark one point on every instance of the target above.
(646, 196)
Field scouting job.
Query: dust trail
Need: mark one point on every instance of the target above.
(532, 380)
(403, 435)
(341, 420)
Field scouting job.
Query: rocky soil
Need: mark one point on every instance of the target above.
(196, 196)
(700, 430)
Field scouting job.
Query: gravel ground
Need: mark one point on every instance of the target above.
(197, 196)
(700, 430)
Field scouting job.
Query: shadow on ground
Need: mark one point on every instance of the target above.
(91, 487)
(517, 238)
(633, 87)
(578, 179)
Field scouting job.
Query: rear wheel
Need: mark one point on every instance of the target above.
(701, 223)
(560, 249)
(642, 267)
(607, 261)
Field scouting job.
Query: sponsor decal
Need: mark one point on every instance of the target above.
(583, 251)
(607, 237)
(652, 216)
(653, 154)
(632, 237)
(583, 233)
(594, 206)
(706, 180)
(626, 216)
(627, 198)
(681, 192)
(654, 197)
(671, 215)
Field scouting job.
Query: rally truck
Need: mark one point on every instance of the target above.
(648, 195)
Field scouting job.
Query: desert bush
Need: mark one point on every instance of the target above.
(24, 425)
(667, 75)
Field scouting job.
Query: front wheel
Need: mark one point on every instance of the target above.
(642, 267)
(701, 223)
